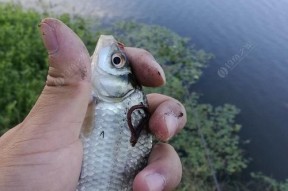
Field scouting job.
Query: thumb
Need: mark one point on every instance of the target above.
(61, 107)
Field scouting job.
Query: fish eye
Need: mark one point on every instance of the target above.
(118, 60)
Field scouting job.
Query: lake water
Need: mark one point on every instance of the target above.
(250, 42)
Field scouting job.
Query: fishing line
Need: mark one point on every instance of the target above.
(207, 153)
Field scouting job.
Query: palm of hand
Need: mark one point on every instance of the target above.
(42, 163)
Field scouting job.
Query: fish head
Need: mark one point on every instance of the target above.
(112, 76)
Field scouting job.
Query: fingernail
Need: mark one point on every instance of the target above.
(160, 72)
(49, 38)
(155, 182)
(171, 124)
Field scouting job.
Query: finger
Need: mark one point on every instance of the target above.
(163, 172)
(6, 137)
(168, 116)
(145, 67)
(61, 107)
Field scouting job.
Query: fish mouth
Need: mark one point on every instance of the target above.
(105, 41)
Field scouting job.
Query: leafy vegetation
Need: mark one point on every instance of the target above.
(22, 64)
(208, 145)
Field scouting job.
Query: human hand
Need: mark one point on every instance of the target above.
(44, 152)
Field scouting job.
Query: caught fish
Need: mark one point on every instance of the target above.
(115, 136)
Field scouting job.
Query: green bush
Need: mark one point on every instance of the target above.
(22, 63)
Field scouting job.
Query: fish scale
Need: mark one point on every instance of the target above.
(110, 160)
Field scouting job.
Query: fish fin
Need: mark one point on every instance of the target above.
(88, 123)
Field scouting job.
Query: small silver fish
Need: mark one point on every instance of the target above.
(116, 141)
